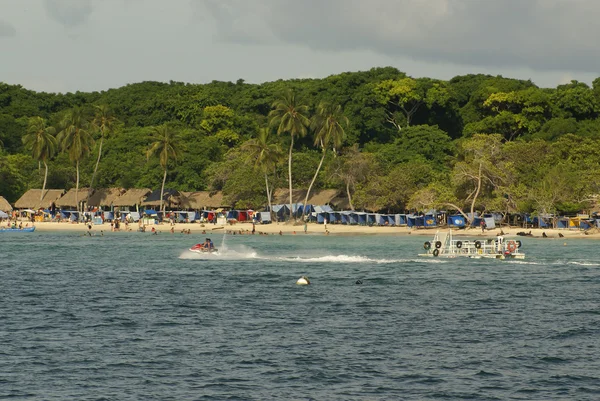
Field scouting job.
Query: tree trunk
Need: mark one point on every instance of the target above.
(349, 196)
(162, 191)
(290, 177)
(311, 183)
(268, 197)
(45, 178)
(77, 190)
(476, 195)
(96, 168)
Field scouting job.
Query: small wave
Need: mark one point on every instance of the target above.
(583, 263)
(340, 259)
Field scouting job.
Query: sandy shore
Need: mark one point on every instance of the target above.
(314, 229)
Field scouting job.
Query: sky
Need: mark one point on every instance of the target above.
(93, 45)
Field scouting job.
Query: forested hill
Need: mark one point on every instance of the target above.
(474, 142)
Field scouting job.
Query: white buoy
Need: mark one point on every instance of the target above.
(303, 281)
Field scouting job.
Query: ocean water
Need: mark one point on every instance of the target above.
(132, 316)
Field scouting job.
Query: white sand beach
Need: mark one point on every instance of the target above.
(314, 229)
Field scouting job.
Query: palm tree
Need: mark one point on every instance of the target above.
(289, 115)
(265, 157)
(329, 131)
(42, 143)
(166, 143)
(75, 139)
(103, 122)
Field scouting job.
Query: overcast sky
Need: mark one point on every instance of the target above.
(70, 45)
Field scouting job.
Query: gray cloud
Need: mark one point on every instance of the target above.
(539, 34)
(6, 29)
(69, 13)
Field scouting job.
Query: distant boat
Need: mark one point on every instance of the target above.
(447, 247)
(17, 230)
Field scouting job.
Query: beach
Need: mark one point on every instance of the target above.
(314, 229)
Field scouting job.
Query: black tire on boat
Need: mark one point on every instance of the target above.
(436, 252)
(477, 244)
(459, 244)
(427, 245)
(438, 244)
(519, 243)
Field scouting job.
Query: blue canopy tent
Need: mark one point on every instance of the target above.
(542, 222)
(489, 221)
(263, 217)
(372, 219)
(307, 211)
(389, 219)
(562, 222)
(334, 217)
(415, 221)
(430, 220)
(109, 216)
(401, 219)
(360, 218)
(457, 220)
(345, 217)
(278, 212)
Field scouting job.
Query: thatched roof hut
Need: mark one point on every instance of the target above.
(105, 196)
(323, 197)
(168, 196)
(319, 197)
(31, 198)
(132, 197)
(69, 199)
(281, 196)
(4, 205)
(201, 200)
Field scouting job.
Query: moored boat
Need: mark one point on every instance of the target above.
(17, 230)
(445, 246)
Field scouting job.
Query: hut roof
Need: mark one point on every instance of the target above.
(323, 197)
(134, 196)
(68, 199)
(105, 196)
(281, 196)
(31, 198)
(201, 200)
(4, 205)
(154, 198)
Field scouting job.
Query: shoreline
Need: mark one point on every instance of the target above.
(314, 229)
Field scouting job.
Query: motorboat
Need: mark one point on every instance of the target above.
(17, 230)
(445, 246)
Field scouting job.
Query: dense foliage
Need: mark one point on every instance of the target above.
(475, 142)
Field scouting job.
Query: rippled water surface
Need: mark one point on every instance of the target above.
(131, 316)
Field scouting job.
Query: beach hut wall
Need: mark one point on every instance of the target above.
(132, 197)
(429, 220)
(104, 197)
(4, 205)
(456, 220)
(71, 198)
(31, 199)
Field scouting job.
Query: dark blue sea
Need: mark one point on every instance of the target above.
(132, 316)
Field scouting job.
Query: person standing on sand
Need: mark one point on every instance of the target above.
(325, 222)
(305, 228)
(253, 228)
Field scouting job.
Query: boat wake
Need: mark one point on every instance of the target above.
(241, 252)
